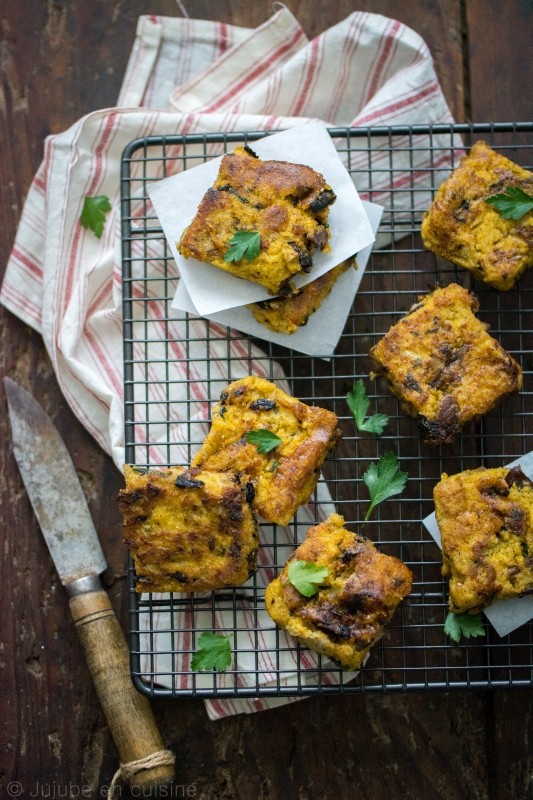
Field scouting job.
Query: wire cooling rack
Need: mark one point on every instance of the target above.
(176, 365)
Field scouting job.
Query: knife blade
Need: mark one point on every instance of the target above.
(61, 509)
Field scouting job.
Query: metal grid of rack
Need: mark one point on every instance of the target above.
(176, 365)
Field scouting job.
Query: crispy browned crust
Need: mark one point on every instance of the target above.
(287, 314)
(357, 599)
(485, 517)
(461, 227)
(261, 181)
(442, 364)
(188, 530)
(288, 204)
(285, 477)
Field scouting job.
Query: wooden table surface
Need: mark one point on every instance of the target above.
(60, 60)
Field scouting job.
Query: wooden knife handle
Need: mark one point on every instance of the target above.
(128, 713)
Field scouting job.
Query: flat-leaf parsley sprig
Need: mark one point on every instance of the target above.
(264, 440)
(306, 576)
(512, 204)
(358, 402)
(94, 212)
(243, 244)
(383, 480)
(214, 652)
(459, 625)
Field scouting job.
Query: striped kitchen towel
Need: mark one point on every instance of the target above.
(186, 76)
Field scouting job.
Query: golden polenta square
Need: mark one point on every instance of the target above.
(463, 228)
(284, 477)
(443, 365)
(288, 314)
(188, 530)
(356, 599)
(485, 518)
(284, 205)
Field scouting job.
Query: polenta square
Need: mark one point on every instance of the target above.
(288, 314)
(485, 518)
(292, 440)
(188, 530)
(464, 228)
(357, 596)
(261, 220)
(443, 365)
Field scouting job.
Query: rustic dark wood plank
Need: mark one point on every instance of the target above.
(412, 746)
(512, 759)
(61, 60)
(499, 61)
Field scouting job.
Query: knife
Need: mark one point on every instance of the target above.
(61, 509)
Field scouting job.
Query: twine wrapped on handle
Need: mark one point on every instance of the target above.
(126, 772)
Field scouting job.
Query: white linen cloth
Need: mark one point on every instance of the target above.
(187, 76)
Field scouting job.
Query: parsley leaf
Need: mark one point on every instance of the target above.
(513, 203)
(243, 244)
(467, 625)
(306, 576)
(358, 403)
(94, 212)
(264, 440)
(214, 652)
(384, 480)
